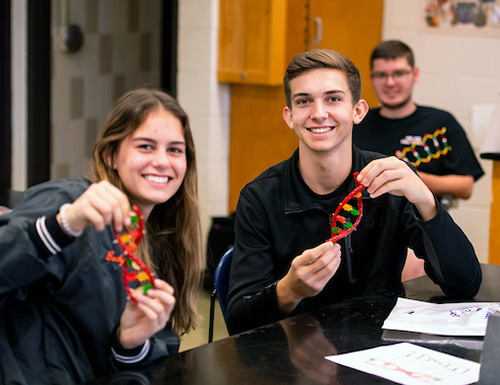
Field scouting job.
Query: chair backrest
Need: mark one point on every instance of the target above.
(221, 279)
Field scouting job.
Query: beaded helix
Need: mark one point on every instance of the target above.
(341, 227)
(134, 271)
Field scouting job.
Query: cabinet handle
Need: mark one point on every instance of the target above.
(319, 30)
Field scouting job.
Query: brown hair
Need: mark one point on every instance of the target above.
(323, 58)
(173, 232)
(392, 49)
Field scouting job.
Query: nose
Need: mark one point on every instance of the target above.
(161, 159)
(389, 80)
(318, 111)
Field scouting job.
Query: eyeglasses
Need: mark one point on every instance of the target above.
(397, 76)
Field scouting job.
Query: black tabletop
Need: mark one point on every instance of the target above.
(292, 351)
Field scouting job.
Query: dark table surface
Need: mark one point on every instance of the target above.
(292, 351)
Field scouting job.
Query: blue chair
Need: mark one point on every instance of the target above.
(221, 284)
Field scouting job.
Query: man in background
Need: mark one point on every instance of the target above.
(429, 138)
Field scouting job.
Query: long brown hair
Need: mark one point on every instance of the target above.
(173, 228)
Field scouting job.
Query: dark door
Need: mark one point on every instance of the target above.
(39, 94)
(5, 96)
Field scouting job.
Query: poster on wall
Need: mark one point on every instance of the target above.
(477, 13)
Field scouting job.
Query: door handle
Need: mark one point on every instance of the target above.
(319, 30)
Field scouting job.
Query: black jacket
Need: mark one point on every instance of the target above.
(278, 217)
(61, 298)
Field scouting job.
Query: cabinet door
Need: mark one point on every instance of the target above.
(352, 28)
(252, 41)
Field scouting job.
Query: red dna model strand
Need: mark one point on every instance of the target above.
(134, 271)
(341, 227)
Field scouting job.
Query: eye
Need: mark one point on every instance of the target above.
(379, 75)
(177, 150)
(334, 99)
(300, 101)
(400, 74)
(145, 146)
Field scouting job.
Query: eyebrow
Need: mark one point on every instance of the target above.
(149, 140)
(331, 92)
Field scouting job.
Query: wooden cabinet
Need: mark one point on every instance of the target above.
(252, 41)
(258, 38)
(351, 28)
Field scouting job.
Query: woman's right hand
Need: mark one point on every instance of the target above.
(101, 204)
(142, 319)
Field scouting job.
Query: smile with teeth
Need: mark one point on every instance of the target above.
(320, 130)
(157, 179)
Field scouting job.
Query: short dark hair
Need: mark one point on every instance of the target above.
(392, 49)
(322, 58)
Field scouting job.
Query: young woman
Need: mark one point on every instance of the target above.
(65, 314)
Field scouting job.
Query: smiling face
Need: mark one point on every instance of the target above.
(393, 80)
(151, 161)
(322, 111)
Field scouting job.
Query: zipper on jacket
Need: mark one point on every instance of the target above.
(348, 253)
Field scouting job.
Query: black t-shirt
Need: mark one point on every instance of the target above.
(431, 139)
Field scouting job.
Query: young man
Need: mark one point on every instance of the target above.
(282, 264)
(431, 139)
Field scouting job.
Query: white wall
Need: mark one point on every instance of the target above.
(206, 101)
(19, 95)
(460, 68)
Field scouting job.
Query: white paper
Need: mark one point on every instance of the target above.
(410, 364)
(448, 319)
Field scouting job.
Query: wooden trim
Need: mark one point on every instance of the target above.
(494, 244)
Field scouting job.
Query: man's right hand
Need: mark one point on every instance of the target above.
(308, 275)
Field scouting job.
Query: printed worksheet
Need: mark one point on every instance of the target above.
(447, 319)
(410, 364)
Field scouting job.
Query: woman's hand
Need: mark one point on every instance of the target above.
(142, 319)
(101, 204)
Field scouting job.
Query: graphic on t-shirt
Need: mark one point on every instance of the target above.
(430, 146)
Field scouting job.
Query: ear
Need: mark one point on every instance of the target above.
(360, 110)
(416, 74)
(287, 117)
